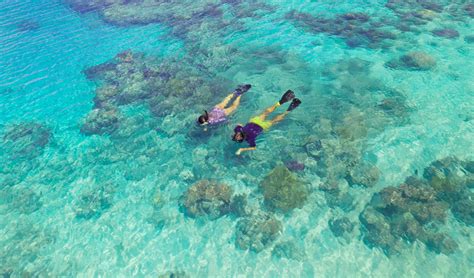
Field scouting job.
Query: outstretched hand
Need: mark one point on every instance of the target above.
(238, 152)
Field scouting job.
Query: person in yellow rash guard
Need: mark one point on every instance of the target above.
(258, 124)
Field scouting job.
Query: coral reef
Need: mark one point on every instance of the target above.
(174, 274)
(189, 20)
(21, 199)
(451, 180)
(207, 198)
(91, 203)
(402, 212)
(238, 205)
(446, 33)
(101, 121)
(363, 174)
(289, 250)
(294, 165)
(336, 196)
(463, 209)
(22, 248)
(469, 39)
(415, 60)
(352, 108)
(28, 25)
(341, 226)
(257, 232)
(26, 140)
(283, 191)
(357, 29)
(165, 86)
(410, 211)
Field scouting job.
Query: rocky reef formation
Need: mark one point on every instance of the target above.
(101, 121)
(283, 191)
(446, 33)
(256, 232)
(337, 196)
(469, 39)
(21, 147)
(21, 252)
(174, 274)
(187, 19)
(341, 226)
(20, 199)
(452, 180)
(363, 174)
(357, 29)
(207, 198)
(353, 107)
(91, 203)
(379, 30)
(294, 165)
(25, 140)
(415, 60)
(417, 209)
(290, 250)
(165, 86)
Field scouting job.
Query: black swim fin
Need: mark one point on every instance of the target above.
(289, 95)
(242, 89)
(295, 103)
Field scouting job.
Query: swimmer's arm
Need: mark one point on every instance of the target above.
(239, 151)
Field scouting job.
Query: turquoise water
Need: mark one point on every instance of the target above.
(108, 201)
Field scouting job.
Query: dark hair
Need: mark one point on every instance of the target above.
(203, 118)
(241, 134)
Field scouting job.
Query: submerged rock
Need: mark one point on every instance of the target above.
(294, 165)
(363, 174)
(415, 60)
(442, 243)
(341, 226)
(314, 148)
(282, 190)
(257, 232)
(469, 39)
(377, 232)
(289, 250)
(446, 33)
(91, 205)
(355, 28)
(25, 247)
(101, 121)
(238, 205)
(208, 198)
(28, 25)
(340, 199)
(448, 178)
(409, 212)
(27, 139)
(23, 200)
(174, 274)
(463, 210)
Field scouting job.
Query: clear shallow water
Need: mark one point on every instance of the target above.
(109, 204)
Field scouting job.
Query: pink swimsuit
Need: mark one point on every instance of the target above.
(217, 116)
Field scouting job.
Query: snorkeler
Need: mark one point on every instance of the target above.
(219, 113)
(258, 124)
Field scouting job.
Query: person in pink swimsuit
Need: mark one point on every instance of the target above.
(219, 113)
